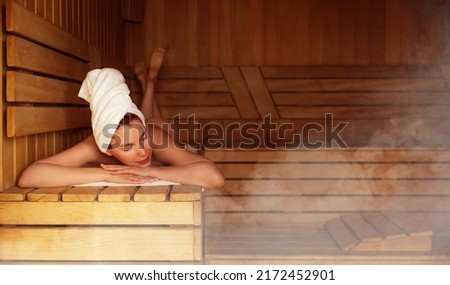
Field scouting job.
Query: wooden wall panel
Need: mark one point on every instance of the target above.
(97, 22)
(295, 32)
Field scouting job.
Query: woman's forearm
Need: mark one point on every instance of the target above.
(192, 174)
(50, 175)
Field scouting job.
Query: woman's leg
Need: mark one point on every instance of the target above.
(149, 107)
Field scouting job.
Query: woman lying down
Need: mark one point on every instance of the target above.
(127, 145)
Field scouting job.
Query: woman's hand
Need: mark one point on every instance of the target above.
(126, 178)
(129, 172)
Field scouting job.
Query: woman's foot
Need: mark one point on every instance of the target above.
(141, 70)
(155, 63)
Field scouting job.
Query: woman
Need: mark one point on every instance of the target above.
(132, 150)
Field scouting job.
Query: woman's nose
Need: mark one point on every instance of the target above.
(142, 152)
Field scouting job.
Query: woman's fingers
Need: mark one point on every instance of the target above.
(136, 173)
(126, 178)
(113, 166)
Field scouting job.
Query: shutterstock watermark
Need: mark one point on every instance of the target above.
(266, 133)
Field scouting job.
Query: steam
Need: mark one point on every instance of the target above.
(269, 208)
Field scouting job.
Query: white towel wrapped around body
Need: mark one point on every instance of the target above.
(109, 97)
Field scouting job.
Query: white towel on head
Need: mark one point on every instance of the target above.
(109, 97)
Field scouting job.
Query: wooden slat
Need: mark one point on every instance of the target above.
(90, 243)
(339, 170)
(34, 120)
(198, 245)
(151, 194)
(366, 112)
(15, 194)
(117, 194)
(320, 203)
(388, 84)
(27, 55)
(300, 221)
(357, 132)
(24, 87)
(82, 194)
(280, 242)
(133, 10)
(201, 112)
(195, 99)
(21, 21)
(96, 213)
(364, 231)
(183, 85)
(185, 193)
(303, 222)
(335, 187)
(340, 233)
(445, 69)
(362, 98)
(95, 57)
(411, 226)
(53, 194)
(411, 244)
(354, 71)
(387, 229)
(362, 154)
(241, 95)
(187, 72)
(259, 92)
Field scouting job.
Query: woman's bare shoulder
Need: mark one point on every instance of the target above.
(79, 155)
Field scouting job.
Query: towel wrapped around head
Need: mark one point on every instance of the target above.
(109, 97)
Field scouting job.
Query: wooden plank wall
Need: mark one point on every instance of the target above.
(294, 32)
(407, 103)
(97, 22)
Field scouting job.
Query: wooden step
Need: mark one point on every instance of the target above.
(386, 231)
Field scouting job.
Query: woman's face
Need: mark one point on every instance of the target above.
(130, 145)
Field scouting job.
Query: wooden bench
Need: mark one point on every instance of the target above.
(46, 66)
(277, 204)
(102, 224)
(278, 200)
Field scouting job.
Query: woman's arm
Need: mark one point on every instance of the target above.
(65, 168)
(202, 173)
(43, 174)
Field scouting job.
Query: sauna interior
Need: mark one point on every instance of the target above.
(334, 116)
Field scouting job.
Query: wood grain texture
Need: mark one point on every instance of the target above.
(53, 194)
(117, 194)
(185, 193)
(21, 21)
(90, 243)
(299, 32)
(24, 87)
(151, 194)
(30, 56)
(259, 92)
(15, 194)
(19, 122)
(96, 213)
(241, 95)
(66, 30)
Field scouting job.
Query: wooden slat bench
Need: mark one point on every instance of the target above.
(278, 199)
(276, 204)
(99, 224)
(46, 66)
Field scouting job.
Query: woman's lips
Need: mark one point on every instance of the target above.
(144, 161)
